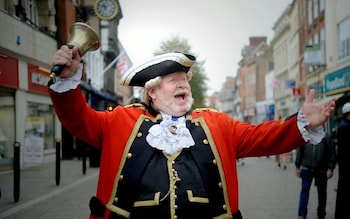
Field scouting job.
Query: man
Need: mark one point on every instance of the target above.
(161, 159)
(315, 162)
(343, 189)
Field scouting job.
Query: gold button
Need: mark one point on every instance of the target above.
(121, 177)
(224, 207)
(215, 162)
(175, 216)
(129, 155)
(196, 123)
(175, 206)
(220, 184)
(139, 134)
(115, 200)
(205, 141)
(147, 120)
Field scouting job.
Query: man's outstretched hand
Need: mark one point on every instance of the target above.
(317, 113)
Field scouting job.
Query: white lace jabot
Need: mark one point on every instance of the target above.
(171, 135)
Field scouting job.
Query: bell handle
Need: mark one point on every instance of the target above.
(56, 70)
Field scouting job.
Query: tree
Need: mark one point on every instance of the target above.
(198, 81)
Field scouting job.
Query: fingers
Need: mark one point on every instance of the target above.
(330, 106)
(67, 57)
(311, 96)
(75, 53)
(63, 56)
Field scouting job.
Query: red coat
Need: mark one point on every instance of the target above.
(110, 132)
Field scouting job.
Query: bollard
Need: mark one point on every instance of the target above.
(58, 162)
(16, 170)
(83, 157)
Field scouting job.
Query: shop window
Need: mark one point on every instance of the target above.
(7, 127)
(42, 113)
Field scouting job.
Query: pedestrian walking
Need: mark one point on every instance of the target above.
(343, 151)
(161, 158)
(315, 162)
(283, 159)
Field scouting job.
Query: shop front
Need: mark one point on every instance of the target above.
(337, 84)
(8, 85)
(26, 113)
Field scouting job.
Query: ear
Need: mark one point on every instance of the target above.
(151, 92)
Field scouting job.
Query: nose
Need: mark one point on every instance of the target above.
(181, 83)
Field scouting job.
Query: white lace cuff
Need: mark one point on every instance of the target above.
(314, 135)
(61, 85)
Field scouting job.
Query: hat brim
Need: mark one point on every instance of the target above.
(158, 66)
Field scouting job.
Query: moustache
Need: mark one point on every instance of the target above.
(182, 92)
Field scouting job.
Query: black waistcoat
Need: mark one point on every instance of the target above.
(154, 185)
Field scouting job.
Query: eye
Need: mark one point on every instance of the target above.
(184, 79)
(172, 80)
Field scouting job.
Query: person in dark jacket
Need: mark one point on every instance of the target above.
(315, 162)
(343, 189)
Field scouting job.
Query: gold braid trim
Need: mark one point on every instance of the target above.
(205, 109)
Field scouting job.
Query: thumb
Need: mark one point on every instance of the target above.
(310, 97)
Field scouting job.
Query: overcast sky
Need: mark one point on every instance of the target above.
(216, 30)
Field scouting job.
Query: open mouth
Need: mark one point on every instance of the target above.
(180, 96)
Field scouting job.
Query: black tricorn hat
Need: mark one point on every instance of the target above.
(159, 65)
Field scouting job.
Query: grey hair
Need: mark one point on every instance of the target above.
(149, 84)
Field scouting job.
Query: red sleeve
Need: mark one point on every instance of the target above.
(76, 116)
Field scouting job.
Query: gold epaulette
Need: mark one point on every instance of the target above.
(136, 105)
(205, 110)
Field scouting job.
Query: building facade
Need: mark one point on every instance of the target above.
(31, 33)
(280, 45)
(27, 44)
(310, 50)
(337, 54)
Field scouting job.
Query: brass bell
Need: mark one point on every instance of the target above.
(82, 36)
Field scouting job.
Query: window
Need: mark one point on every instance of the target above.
(309, 12)
(315, 39)
(322, 5)
(46, 113)
(32, 11)
(344, 39)
(7, 125)
(323, 44)
(315, 6)
(250, 79)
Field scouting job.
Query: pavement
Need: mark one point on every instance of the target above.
(38, 190)
(266, 191)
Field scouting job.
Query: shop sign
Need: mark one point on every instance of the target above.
(38, 78)
(313, 55)
(318, 87)
(8, 71)
(338, 81)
